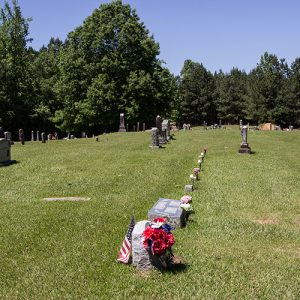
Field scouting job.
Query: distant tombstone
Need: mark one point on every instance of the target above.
(154, 138)
(166, 125)
(241, 124)
(144, 127)
(127, 127)
(291, 128)
(164, 136)
(244, 148)
(204, 125)
(21, 136)
(56, 135)
(170, 209)
(2, 136)
(37, 135)
(43, 137)
(184, 126)
(7, 135)
(68, 135)
(32, 135)
(122, 127)
(133, 128)
(188, 188)
(138, 126)
(49, 136)
(159, 124)
(4, 151)
(72, 137)
(220, 123)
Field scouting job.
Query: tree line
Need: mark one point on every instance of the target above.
(109, 65)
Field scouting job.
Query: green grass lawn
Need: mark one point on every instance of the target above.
(243, 242)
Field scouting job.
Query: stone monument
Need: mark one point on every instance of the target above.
(122, 126)
(141, 258)
(37, 135)
(32, 135)
(244, 148)
(159, 124)
(4, 151)
(43, 137)
(170, 209)
(21, 136)
(166, 125)
(154, 138)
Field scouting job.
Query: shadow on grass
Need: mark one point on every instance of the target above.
(8, 163)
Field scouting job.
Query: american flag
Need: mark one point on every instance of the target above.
(125, 250)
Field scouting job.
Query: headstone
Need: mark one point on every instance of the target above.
(166, 125)
(32, 135)
(204, 125)
(159, 125)
(21, 136)
(144, 127)
(72, 137)
(7, 135)
(2, 136)
(133, 128)
(138, 126)
(68, 135)
(4, 151)
(170, 209)
(164, 136)
(244, 148)
(220, 123)
(122, 127)
(140, 256)
(291, 128)
(49, 136)
(127, 126)
(56, 135)
(188, 188)
(37, 135)
(154, 138)
(241, 124)
(43, 137)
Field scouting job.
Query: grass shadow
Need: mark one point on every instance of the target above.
(8, 163)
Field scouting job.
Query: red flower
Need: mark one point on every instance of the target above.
(148, 233)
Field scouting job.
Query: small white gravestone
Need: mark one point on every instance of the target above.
(140, 256)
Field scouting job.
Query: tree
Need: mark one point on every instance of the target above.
(231, 90)
(108, 66)
(265, 85)
(197, 89)
(15, 77)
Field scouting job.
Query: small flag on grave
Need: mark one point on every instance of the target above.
(125, 250)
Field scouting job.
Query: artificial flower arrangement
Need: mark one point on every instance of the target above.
(158, 238)
(196, 172)
(186, 204)
(193, 178)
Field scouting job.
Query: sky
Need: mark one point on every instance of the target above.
(220, 34)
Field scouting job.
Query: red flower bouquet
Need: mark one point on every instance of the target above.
(158, 237)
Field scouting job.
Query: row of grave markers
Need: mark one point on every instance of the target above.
(176, 212)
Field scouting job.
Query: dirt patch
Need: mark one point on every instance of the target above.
(266, 222)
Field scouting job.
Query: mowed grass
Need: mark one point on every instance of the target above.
(243, 242)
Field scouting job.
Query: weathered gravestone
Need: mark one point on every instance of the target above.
(167, 127)
(4, 151)
(159, 124)
(170, 209)
(21, 136)
(32, 135)
(141, 258)
(43, 137)
(154, 138)
(122, 126)
(37, 135)
(138, 126)
(188, 188)
(144, 127)
(244, 148)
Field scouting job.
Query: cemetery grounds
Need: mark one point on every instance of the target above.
(243, 242)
